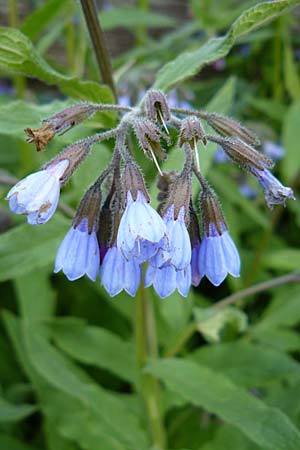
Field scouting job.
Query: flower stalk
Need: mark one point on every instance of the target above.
(98, 40)
(146, 348)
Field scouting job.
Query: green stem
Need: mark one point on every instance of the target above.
(141, 31)
(146, 347)
(19, 80)
(98, 40)
(260, 287)
(183, 338)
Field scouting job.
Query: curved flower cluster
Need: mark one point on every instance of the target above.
(113, 236)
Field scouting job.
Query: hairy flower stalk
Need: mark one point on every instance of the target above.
(115, 236)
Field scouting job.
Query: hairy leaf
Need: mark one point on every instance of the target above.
(190, 63)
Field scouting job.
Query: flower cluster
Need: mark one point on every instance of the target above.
(116, 231)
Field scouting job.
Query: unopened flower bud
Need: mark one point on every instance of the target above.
(164, 184)
(89, 208)
(69, 117)
(179, 195)
(74, 154)
(149, 137)
(157, 108)
(191, 131)
(226, 126)
(60, 122)
(242, 153)
(133, 181)
(213, 221)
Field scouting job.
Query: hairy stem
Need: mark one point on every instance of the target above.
(146, 347)
(190, 112)
(98, 41)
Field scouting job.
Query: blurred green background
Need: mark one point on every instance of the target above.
(214, 376)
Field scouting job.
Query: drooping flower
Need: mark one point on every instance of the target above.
(141, 229)
(37, 195)
(176, 250)
(218, 254)
(166, 279)
(78, 254)
(275, 192)
(118, 273)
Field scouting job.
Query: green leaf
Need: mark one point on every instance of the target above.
(132, 17)
(291, 139)
(201, 386)
(285, 259)
(10, 443)
(235, 360)
(190, 63)
(229, 438)
(17, 55)
(17, 115)
(26, 248)
(287, 313)
(42, 17)
(13, 413)
(35, 295)
(96, 346)
(217, 325)
(113, 416)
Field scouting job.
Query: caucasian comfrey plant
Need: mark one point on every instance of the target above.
(116, 230)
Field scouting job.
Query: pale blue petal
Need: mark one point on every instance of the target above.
(214, 264)
(132, 277)
(78, 254)
(184, 281)
(93, 257)
(231, 255)
(165, 281)
(149, 276)
(180, 245)
(112, 271)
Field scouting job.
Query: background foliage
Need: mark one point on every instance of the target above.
(229, 376)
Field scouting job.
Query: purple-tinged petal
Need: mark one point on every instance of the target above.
(195, 269)
(275, 192)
